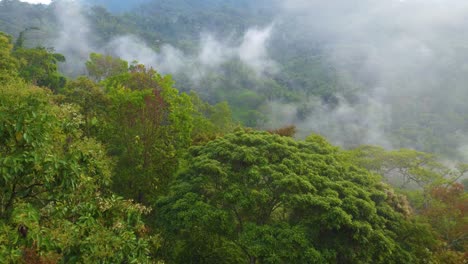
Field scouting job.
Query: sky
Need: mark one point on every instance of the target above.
(37, 1)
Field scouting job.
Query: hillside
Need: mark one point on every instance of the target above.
(308, 75)
(211, 131)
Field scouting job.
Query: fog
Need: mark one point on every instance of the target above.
(211, 53)
(406, 62)
(408, 57)
(76, 40)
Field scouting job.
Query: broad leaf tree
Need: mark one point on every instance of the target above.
(254, 197)
(55, 198)
(150, 127)
(8, 64)
(447, 212)
(93, 102)
(39, 66)
(101, 66)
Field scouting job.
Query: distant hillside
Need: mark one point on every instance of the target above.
(122, 6)
(117, 5)
(402, 87)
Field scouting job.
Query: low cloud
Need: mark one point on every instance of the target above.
(347, 124)
(409, 60)
(76, 41)
(212, 53)
(75, 36)
(253, 50)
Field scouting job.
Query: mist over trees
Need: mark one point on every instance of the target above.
(213, 131)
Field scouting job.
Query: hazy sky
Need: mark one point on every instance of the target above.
(37, 1)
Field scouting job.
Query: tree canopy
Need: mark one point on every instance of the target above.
(55, 199)
(254, 197)
(8, 64)
(119, 166)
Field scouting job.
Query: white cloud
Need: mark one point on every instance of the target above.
(37, 1)
(75, 41)
(211, 54)
(253, 50)
(408, 59)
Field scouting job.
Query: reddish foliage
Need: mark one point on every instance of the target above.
(31, 256)
(287, 131)
(447, 213)
(142, 78)
(447, 194)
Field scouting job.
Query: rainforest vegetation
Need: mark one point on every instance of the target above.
(122, 163)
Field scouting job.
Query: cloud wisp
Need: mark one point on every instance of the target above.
(409, 59)
(212, 53)
(76, 37)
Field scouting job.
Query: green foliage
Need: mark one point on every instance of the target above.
(211, 121)
(243, 89)
(241, 197)
(405, 167)
(101, 66)
(93, 104)
(40, 67)
(180, 25)
(149, 129)
(431, 188)
(269, 199)
(136, 77)
(55, 202)
(8, 64)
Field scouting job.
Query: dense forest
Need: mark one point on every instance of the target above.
(214, 131)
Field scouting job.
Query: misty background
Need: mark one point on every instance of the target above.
(391, 73)
(409, 62)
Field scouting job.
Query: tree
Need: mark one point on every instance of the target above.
(432, 188)
(55, 198)
(405, 167)
(260, 198)
(137, 77)
(19, 43)
(101, 66)
(8, 64)
(414, 172)
(40, 67)
(211, 120)
(150, 128)
(93, 102)
(447, 213)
